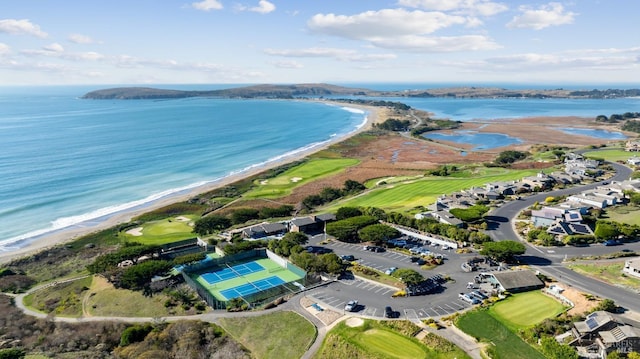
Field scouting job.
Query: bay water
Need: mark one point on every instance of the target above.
(65, 161)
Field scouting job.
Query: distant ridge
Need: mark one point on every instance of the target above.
(316, 90)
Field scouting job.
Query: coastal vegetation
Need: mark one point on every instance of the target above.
(608, 271)
(279, 335)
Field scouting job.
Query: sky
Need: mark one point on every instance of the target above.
(69, 42)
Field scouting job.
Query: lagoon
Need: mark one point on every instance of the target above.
(483, 141)
(597, 133)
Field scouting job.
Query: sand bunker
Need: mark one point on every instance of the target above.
(135, 231)
(296, 179)
(264, 182)
(182, 219)
(354, 322)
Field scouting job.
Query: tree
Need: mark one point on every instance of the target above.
(241, 215)
(606, 230)
(296, 237)
(346, 230)
(12, 353)
(607, 305)
(554, 350)
(408, 276)
(633, 355)
(209, 224)
(377, 233)
(502, 251)
(347, 212)
(471, 214)
(351, 187)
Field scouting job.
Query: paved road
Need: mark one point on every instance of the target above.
(549, 260)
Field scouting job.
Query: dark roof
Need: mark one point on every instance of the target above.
(520, 279)
(274, 227)
(304, 221)
(325, 217)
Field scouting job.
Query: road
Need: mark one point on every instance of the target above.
(549, 260)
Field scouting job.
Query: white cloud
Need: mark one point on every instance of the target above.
(80, 39)
(288, 64)
(437, 43)
(475, 7)
(264, 7)
(4, 49)
(338, 54)
(552, 14)
(382, 23)
(24, 26)
(54, 47)
(570, 60)
(207, 5)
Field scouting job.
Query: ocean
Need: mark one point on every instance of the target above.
(69, 162)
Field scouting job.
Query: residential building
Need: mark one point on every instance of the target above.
(632, 267)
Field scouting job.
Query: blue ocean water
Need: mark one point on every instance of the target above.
(71, 162)
(65, 161)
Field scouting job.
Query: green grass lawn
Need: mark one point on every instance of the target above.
(483, 326)
(613, 154)
(311, 170)
(523, 310)
(163, 231)
(624, 214)
(608, 271)
(375, 340)
(405, 196)
(279, 335)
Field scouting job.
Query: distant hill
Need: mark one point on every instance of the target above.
(257, 91)
(317, 90)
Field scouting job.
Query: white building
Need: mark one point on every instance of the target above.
(632, 267)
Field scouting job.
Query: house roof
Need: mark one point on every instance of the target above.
(325, 217)
(619, 334)
(593, 322)
(304, 221)
(510, 280)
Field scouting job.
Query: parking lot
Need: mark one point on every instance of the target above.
(373, 297)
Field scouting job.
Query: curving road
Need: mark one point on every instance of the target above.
(549, 260)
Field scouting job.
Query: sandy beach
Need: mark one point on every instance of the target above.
(374, 115)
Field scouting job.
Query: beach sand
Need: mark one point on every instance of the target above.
(374, 115)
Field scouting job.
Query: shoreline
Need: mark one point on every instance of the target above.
(60, 236)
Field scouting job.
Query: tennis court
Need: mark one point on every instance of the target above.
(253, 287)
(237, 270)
(245, 279)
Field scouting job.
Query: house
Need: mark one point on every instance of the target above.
(540, 181)
(600, 334)
(632, 146)
(634, 161)
(311, 224)
(632, 267)
(563, 228)
(545, 216)
(516, 281)
(502, 188)
(264, 230)
(595, 198)
(447, 218)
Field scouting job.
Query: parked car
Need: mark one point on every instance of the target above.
(414, 259)
(421, 262)
(348, 257)
(468, 299)
(318, 249)
(612, 242)
(390, 270)
(389, 313)
(376, 249)
(351, 306)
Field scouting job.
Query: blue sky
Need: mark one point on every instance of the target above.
(333, 41)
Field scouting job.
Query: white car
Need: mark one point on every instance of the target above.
(390, 270)
(351, 306)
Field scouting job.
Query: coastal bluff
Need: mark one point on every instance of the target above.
(319, 90)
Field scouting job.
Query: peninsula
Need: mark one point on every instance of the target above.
(320, 90)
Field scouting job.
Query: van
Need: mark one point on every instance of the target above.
(468, 299)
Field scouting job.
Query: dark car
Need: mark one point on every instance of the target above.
(318, 249)
(389, 313)
(612, 242)
(421, 262)
(348, 257)
(377, 249)
(414, 259)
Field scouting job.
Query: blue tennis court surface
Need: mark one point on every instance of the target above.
(232, 272)
(253, 287)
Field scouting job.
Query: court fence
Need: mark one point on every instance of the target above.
(255, 299)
